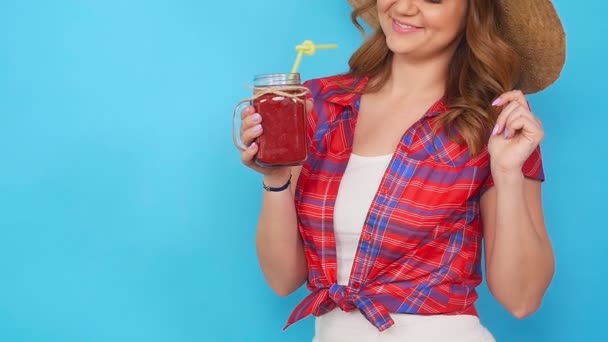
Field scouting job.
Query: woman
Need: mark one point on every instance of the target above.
(424, 147)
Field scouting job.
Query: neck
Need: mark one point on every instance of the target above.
(417, 78)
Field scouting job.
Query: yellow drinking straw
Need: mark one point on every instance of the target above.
(309, 48)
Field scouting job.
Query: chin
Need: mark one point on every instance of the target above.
(400, 48)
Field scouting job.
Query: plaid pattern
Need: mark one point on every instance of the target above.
(420, 248)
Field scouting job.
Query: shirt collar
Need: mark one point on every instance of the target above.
(346, 91)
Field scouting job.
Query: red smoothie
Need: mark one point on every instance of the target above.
(283, 142)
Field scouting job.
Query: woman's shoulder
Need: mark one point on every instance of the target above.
(336, 90)
(338, 84)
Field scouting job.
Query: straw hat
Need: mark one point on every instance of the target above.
(534, 30)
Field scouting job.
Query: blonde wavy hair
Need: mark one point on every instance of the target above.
(483, 67)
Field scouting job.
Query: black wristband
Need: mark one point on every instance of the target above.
(279, 189)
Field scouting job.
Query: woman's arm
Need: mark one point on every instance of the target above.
(519, 256)
(279, 244)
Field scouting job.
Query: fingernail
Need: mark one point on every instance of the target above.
(252, 146)
(497, 102)
(257, 128)
(495, 129)
(507, 133)
(256, 117)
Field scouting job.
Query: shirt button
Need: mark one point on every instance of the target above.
(384, 190)
(356, 285)
(367, 236)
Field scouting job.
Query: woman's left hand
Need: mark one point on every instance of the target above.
(516, 135)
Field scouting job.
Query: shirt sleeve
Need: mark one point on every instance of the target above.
(533, 169)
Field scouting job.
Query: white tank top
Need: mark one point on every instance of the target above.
(359, 184)
(357, 189)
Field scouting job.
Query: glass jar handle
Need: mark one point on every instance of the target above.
(235, 140)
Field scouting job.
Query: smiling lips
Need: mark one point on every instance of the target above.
(401, 27)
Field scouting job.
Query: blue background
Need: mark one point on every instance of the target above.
(125, 214)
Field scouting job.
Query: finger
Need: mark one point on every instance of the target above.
(309, 106)
(540, 123)
(514, 95)
(521, 111)
(250, 121)
(251, 134)
(515, 119)
(503, 117)
(248, 154)
(247, 111)
(527, 127)
(534, 117)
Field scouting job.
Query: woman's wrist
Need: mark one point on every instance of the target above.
(507, 177)
(277, 179)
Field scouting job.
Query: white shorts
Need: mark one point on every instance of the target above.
(340, 326)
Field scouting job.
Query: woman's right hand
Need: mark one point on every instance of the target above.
(251, 129)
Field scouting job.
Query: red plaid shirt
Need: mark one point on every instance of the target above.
(420, 248)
